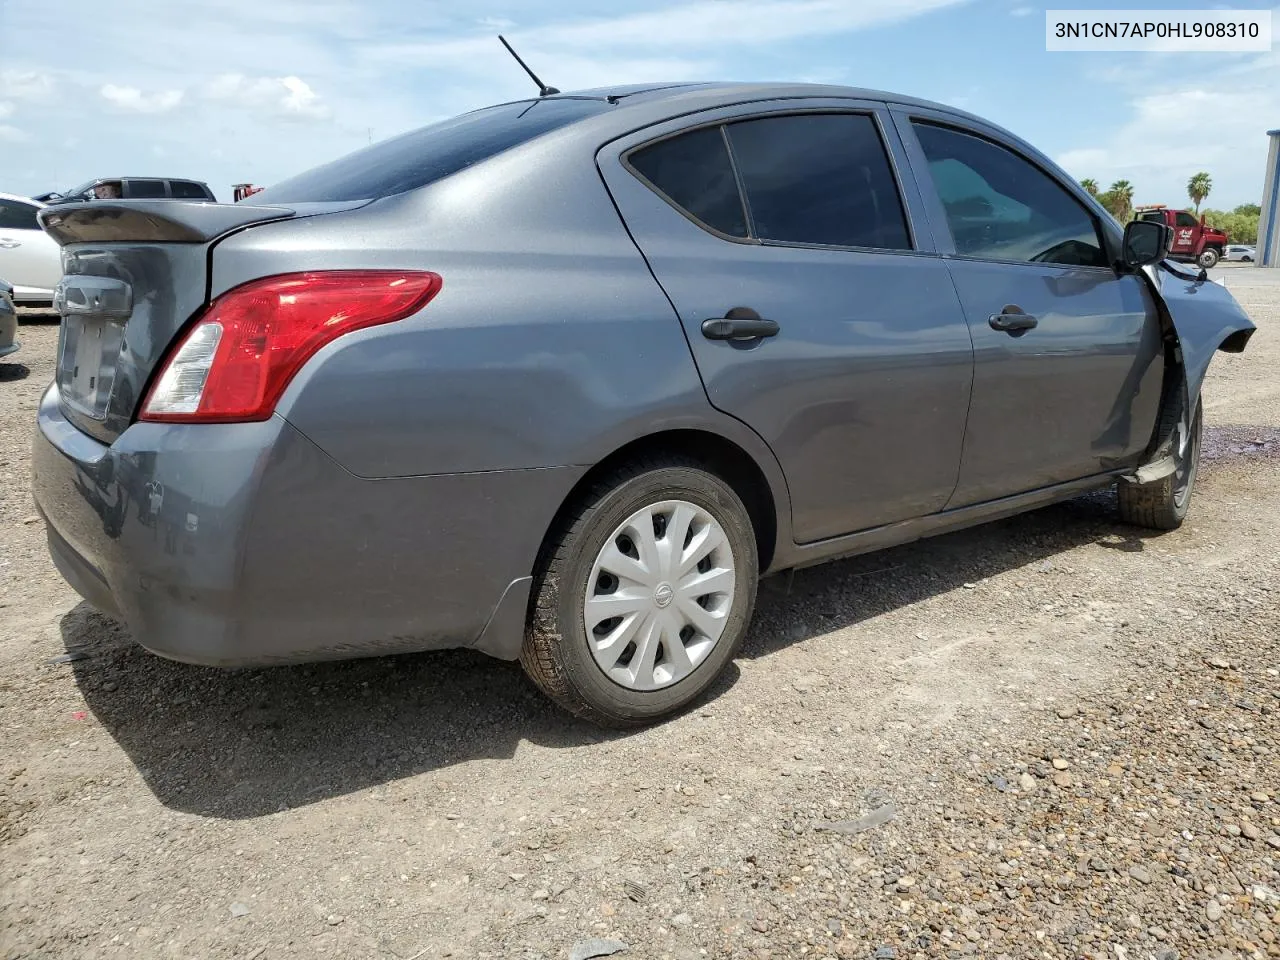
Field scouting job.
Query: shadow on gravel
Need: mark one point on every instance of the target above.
(825, 598)
(10, 371)
(238, 744)
(246, 743)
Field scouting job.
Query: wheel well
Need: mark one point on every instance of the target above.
(722, 457)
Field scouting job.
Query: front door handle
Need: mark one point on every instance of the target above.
(1012, 320)
(9, 243)
(740, 323)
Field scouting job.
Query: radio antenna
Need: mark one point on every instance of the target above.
(543, 89)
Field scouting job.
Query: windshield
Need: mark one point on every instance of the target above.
(424, 156)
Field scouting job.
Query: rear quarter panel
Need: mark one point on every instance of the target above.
(549, 344)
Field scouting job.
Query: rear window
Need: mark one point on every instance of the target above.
(424, 156)
(694, 172)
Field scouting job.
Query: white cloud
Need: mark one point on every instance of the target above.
(286, 96)
(25, 85)
(10, 134)
(1186, 128)
(6, 109)
(135, 101)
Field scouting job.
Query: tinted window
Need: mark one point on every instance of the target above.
(424, 156)
(145, 189)
(186, 190)
(17, 216)
(1155, 215)
(821, 178)
(1187, 220)
(694, 172)
(1001, 207)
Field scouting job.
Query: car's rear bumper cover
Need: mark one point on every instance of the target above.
(241, 544)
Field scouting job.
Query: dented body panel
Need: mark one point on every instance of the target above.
(1205, 318)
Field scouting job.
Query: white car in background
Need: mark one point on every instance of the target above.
(1240, 251)
(30, 259)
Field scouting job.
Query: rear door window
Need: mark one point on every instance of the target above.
(186, 190)
(145, 190)
(694, 173)
(15, 215)
(430, 154)
(819, 179)
(1000, 206)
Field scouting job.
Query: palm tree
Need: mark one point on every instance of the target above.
(1122, 192)
(1090, 185)
(1198, 188)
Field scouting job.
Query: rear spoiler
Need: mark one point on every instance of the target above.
(151, 221)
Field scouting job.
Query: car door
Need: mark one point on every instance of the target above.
(29, 258)
(1186, 231)
(1067, 351)
(815, 314)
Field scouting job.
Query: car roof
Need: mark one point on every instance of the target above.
(680, 97)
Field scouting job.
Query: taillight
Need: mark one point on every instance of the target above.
(234, 364)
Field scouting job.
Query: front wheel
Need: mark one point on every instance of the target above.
(643, 596)
(1209, 258)
(1163, 504)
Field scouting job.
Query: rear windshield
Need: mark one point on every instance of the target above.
(424, 156)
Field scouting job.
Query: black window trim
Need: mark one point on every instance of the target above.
(927, 177)
(724, 122)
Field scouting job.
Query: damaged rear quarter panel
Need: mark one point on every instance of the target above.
(1205, 318)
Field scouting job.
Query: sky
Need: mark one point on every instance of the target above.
(231, 91)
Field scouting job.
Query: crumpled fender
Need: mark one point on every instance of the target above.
(1199, 318)
(1205, 317)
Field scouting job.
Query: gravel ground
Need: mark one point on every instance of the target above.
(1053, 736)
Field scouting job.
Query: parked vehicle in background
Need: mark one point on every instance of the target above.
(1193, 240)
(559, 379)
(8, 321)
(242, 190)
(140, 188)
(30, 259)
(1241, 251)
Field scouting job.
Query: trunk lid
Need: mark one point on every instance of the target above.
(135, 273)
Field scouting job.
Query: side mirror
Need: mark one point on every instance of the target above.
(1145, 241)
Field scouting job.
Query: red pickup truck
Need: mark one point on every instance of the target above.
(1192, 239)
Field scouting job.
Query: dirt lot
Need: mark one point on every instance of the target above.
(1073, 724)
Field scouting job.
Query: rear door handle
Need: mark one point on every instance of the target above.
(9, 243)
(740, 323)
(1012, 319)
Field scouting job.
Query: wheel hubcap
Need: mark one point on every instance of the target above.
(659, 595)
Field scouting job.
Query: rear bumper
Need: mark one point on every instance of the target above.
(244, 544)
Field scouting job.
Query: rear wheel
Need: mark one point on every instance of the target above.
(643, 596)
(1209, 258)
(1163, 504)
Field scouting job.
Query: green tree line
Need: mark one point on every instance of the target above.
(1240, 224)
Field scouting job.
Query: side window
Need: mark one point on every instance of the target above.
(145, 190)
(15, 215)
(186, 190)
(694, 173)
(1001, 207)
(1184, 219)
(819, 178)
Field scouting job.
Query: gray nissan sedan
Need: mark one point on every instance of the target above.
(560, 379)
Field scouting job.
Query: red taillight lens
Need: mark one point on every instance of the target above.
(235, 362)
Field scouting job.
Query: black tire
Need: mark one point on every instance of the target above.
(1163, 504)
(556, 653)
(1209, 258)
